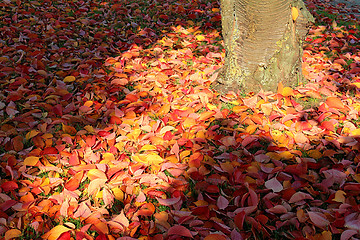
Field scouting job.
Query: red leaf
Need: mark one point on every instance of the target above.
(239, 219)
(49, 150)
(9, 186)
(58, 110)
(64, 236)
(180, 230)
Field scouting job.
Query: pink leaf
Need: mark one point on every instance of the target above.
(279, 209)
(179, 230)
(107, 197)
(299, 196)
(95, 185)
(11, 109)
(83, 211)
(121, 218)
(222, 202)
(300, 138)
(141, 197)
(347, 234)
(354, 224)
(175, 150)
(274, 185)
(318, 219)
(228, 141)
(169, 201)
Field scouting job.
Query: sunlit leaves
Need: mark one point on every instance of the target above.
(109, 126)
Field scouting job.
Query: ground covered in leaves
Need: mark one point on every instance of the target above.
(109, 129)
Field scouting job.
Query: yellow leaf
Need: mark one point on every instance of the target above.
(286, 155)
(55, 232)
(200, 37)
(31, 161)
(12, 233)
(286, 92)
(184, 154)
(107, 158)
(134, 134)
(118, 194)
(69, 79)
(339, 196)
(89, 128)
(357, 84)
(294, 13)
(148, 147)
(355, 132)
(96, 173)
(154, 159)
(211, 106)
(31, 134)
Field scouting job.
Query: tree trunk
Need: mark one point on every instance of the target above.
(263, 43)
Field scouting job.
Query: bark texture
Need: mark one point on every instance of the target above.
(263, 44)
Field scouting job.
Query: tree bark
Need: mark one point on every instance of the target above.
(263, 44)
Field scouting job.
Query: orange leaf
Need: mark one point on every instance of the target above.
(31, 161)
(27, 198)
(239, 109)
(189, 122)
(280, 88)
(334, 102)
(215, 237)
(206, 115)
(31, 134)
(147, 209)
(74, 182)
(55, 232)
(12, 233)
(163, 110)
(69, 129)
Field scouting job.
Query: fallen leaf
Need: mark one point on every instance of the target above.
(180, 231)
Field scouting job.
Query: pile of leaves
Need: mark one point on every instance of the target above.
(110, 130)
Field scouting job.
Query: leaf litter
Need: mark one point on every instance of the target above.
(110, 129)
